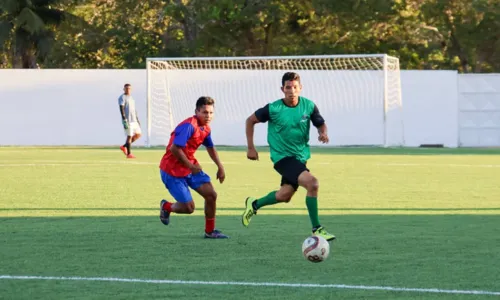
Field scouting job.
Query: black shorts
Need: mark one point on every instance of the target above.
(290, 168)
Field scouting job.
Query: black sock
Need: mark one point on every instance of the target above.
(127, 145)
(254, 205)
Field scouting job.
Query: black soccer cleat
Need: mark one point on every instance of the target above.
(216, 234)
(164, 215)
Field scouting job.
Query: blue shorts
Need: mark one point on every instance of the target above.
(178, 187)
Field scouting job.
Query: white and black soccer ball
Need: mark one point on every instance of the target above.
(315, 249)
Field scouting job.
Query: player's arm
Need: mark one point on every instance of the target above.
(121, 104)
(182, 134)
(209, 144)
(180, 155)
(260, 116)
(319, 122)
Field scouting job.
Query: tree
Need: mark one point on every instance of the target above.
(425, 34)
(455, 34)
(116, 34)
(27, 29)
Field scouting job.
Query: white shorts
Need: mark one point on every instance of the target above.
(133, 129)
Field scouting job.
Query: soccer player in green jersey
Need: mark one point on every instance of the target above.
(289, 122)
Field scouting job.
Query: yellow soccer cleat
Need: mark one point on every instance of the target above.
(320, 231)
(249, 212)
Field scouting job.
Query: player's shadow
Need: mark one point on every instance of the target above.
(267, 208)
(400, 249)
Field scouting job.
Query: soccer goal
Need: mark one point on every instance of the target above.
(358, 95)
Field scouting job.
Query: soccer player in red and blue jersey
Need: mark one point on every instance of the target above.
(180, 170)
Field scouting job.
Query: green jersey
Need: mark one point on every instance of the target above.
(288, 128)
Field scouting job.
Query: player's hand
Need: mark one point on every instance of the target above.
(323, 137)
(221, 175)
(195, 169)
(252, 154)
(125, 124)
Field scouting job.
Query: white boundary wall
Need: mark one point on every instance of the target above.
(479, 110)
(80, 107)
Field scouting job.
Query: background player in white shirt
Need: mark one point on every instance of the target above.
(130, 120)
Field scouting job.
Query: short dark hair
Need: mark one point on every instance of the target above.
(127, 85)
(289, 76)
(204, 100)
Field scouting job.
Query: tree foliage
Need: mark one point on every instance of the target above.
(28, 29)
(433, 34)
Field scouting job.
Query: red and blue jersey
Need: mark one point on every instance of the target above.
(188, 135)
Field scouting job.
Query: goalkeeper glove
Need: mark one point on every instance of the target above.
(125, 124)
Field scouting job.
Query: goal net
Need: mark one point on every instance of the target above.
(358, 95)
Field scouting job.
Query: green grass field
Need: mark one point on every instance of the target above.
(410, 224)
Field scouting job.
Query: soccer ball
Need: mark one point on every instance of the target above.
(316, 249)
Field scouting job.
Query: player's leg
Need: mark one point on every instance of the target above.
(128, 139)
(294, 173)
(284, 194)
(137, 132)
(200, 182)
(134, 134)
(311, 184)
(135, 137)
(124, 148)
(127, 146)
(179, 189)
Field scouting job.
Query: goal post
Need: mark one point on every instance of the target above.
(358, 95)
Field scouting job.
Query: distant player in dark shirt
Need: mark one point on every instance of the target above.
(130, 120)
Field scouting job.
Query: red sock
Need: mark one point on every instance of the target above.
(167, 206)
(209, 224)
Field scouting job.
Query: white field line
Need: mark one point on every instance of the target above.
(35, 163)
(259, 284)
(53, 164)
(436, 165)
(63, 161)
